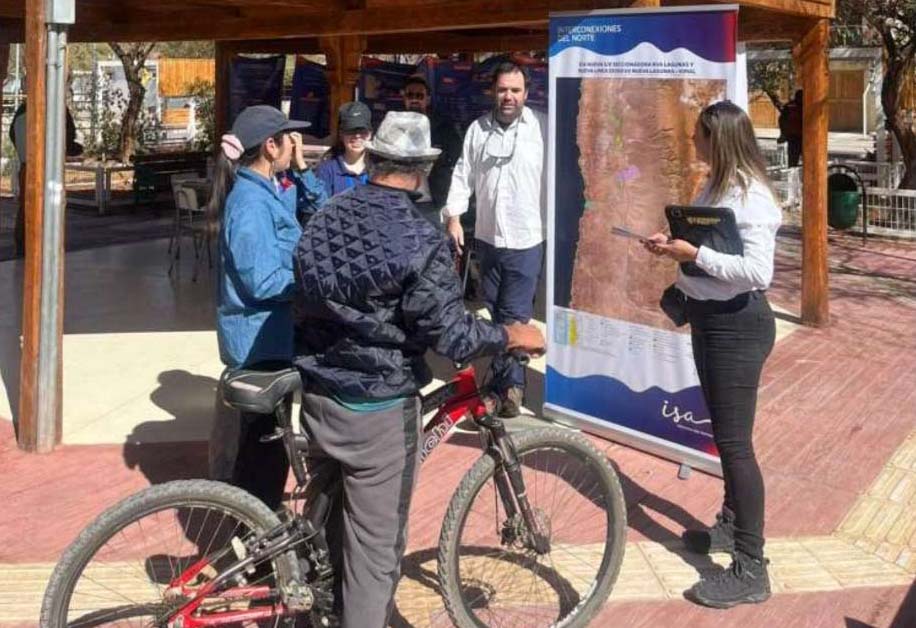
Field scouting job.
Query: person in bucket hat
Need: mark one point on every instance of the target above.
(260, 186)
(404, 136)
(377, 288)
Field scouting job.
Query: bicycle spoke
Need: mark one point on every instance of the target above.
(110, 588)
(502, 580)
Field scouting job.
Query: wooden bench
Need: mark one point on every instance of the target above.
(153, 172)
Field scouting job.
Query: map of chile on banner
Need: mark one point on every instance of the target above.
(626, 88)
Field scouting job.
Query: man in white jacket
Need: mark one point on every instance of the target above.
(503, 164)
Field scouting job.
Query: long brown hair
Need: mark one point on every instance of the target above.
(224, 174)
(734, 156)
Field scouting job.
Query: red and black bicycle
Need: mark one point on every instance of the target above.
(533, 536)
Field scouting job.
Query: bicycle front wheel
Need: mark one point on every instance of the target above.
(121, 569)
(491, 571)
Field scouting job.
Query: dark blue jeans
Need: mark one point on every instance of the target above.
(509, 279)
(731, 341)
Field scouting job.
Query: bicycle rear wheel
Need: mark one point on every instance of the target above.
(118, 571)
(489, 571)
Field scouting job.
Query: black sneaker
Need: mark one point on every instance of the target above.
(745, 582)
(719, 538)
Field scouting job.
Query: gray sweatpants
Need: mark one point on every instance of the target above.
(377, 455)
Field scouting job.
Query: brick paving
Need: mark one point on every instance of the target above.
(834, 435)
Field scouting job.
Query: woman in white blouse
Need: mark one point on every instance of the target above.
(733, 330)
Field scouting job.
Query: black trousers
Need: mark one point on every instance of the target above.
(731, 341)
(261, 468)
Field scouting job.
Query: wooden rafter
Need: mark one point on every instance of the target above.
(171, 20)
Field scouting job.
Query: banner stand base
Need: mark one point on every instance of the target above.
(678, 454)
(684, 471)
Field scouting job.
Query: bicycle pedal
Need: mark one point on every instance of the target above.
(269, 438)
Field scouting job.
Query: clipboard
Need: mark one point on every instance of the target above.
(712, 227)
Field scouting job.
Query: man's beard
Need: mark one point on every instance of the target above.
(508, 118)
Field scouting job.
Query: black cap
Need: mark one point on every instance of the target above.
(354, 116)
(255, 124)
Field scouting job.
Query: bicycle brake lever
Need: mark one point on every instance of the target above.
(522, 357)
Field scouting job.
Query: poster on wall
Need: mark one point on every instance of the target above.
(255, 81)
(625, 90)
(310, 97)
(380, 84)
(460, 91)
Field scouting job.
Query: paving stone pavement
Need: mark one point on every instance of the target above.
(874, 546)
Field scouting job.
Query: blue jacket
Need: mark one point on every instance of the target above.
(258, 235)
(377, 288)
(336, 178)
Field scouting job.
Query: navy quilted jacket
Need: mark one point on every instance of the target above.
(377, 288)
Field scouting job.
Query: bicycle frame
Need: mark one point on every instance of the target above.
(458, 399)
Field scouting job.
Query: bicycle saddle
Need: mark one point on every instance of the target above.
(258, 391)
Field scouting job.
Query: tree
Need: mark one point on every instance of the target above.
(773, 77)
(895, 23)
(201, 93)
(133, 57)
(187, 49)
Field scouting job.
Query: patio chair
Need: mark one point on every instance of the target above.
(190, 219)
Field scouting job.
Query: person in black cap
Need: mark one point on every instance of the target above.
(256, 196)
(344, 165)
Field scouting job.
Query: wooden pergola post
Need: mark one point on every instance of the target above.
(33, 437)
(343, 55)
(223, 53)
(4, 63)
(812, 61)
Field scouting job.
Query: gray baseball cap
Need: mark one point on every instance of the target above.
(256, 123)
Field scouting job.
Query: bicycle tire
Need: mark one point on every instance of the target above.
(572, 444)
(178, 494)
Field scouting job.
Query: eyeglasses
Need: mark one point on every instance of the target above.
(498, 149)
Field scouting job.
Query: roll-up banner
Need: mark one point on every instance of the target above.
(625, 90)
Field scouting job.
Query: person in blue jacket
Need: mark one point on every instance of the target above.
(261, 200)
(343, 166)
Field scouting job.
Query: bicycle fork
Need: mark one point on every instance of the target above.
(509, 481)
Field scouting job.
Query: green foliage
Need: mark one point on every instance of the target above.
(774, 78)
(895, 23)
(202, 93)
(106, 144)
(186, 49)
(9, 154)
